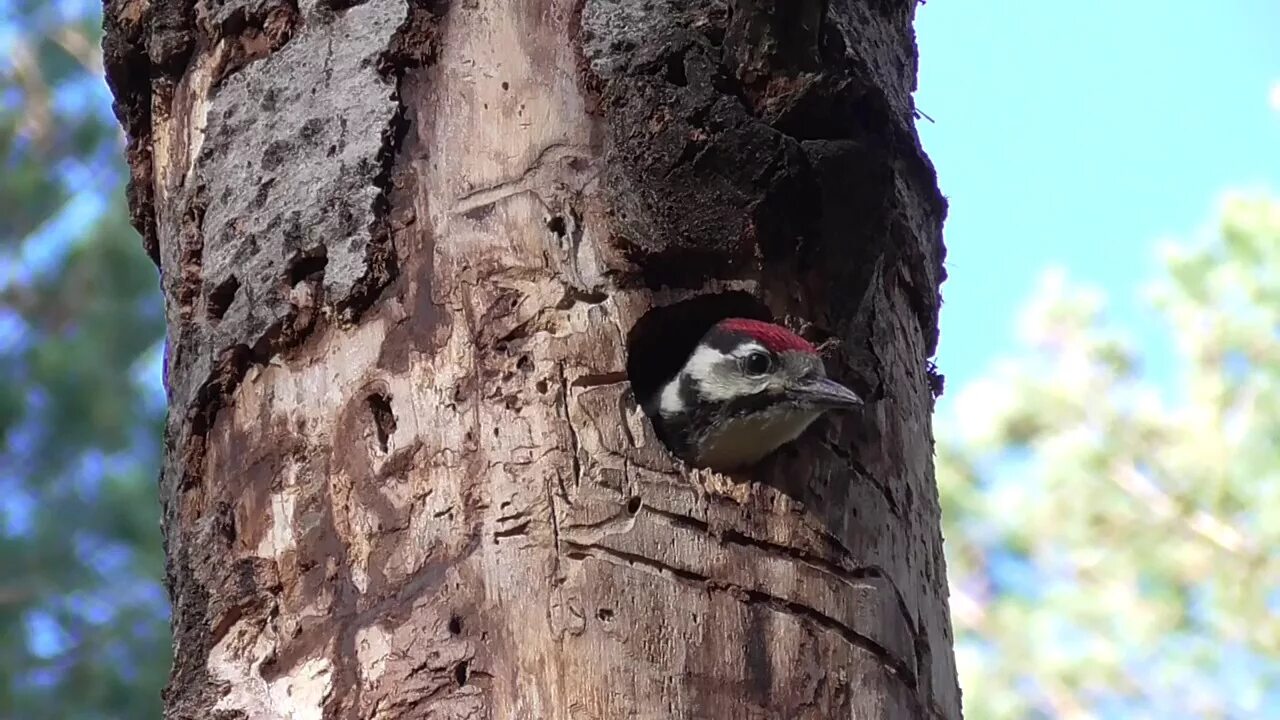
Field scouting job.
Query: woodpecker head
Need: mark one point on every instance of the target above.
(747, 388)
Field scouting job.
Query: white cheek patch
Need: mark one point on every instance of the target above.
(669, 402)
(717, 374)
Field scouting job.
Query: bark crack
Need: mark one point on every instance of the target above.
(862, 472)
(895, 665)
(592, 533)
(851, 576)
(574, 443)
(591, 380)
(555, 524)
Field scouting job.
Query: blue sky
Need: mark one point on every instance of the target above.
(1082, 134)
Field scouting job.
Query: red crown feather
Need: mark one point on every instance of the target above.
(774, 337)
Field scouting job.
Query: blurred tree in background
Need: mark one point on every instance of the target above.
(83, 618)
(1112, 548)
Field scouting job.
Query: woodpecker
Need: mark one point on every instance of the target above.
(747, 388)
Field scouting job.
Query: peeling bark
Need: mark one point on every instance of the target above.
(406, 249)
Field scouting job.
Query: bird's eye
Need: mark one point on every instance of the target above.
(757, 363)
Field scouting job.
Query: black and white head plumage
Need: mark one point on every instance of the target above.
(747, 388)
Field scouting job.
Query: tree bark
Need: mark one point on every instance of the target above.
(410, 252)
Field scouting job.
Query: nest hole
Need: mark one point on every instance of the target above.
(661, 340)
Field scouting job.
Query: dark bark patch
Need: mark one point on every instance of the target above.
(720, 119)
(417, 43)
(140, 195)
(251, 31)
(422, 327)
(188, 693)
(173, 36)
(127, 65)
(768, 38)
(759, 665)
(211, 396)
(699, 185)
(212, 588)
(252, 463)
(280, 243)
(128, 74)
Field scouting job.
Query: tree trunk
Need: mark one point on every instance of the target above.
(409, 251)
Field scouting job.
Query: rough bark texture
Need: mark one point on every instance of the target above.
(407, 247)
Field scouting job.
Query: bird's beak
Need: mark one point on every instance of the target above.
(827, 394)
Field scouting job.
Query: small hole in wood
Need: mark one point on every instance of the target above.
(675, 71)
(556, 224)
(604, 614)
(222, 296)
(633, 505)
(384, 419)
(455, 625)
(460, 673)
(307, 265)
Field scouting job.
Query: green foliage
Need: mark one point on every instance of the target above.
(1112, 547)
(83, 619)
